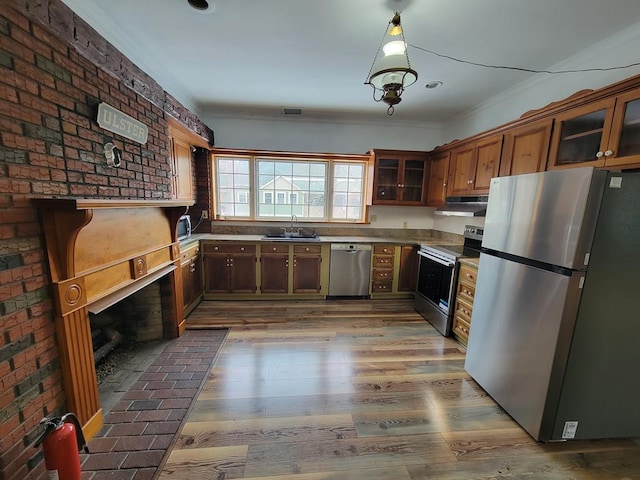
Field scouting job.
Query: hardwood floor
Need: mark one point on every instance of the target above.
(355, 390)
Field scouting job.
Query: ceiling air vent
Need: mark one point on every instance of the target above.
(291, 111)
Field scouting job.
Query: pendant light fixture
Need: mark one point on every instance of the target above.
(391, 73)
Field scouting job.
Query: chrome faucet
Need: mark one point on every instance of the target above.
(293, 219)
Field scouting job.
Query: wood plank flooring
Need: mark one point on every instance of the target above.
(350, 390)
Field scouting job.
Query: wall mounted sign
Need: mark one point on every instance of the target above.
(118, 122)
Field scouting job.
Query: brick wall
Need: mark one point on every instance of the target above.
(54, 70)
(202, 171)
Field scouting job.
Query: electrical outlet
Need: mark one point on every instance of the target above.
(205, 214)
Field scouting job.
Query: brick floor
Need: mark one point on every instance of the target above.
(146, 404)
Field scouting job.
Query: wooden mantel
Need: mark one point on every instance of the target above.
(99, 250)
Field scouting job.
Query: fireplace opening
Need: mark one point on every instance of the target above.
(121, 329)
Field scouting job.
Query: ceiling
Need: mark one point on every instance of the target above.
(257, 56)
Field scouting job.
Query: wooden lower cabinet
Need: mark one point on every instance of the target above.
(274, 268)
(307, 262)
(191, 268)
(408, 273)
(244, 270)
(229, 268)
(464, 300)
(394, 270)
(382, 272)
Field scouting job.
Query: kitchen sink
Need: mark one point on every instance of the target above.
(291, 236)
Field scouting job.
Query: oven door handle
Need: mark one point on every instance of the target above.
(436, 259)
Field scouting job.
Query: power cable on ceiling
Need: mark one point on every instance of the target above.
(522, 69)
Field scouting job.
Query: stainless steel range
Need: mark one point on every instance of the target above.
(438, 275)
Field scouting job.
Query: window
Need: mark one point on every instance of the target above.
(266, 187)
(348, 191)
(234, 186)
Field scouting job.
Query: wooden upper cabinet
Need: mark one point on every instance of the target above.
(602, 134)
(623, 148)
(461, 170)
(581, 135)
(487, 162)
(399, 178)
(438, 174)
(181, 144)
(526, 148)
(181, 169)
(473, 165)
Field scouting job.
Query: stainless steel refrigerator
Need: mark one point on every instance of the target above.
(555, 331)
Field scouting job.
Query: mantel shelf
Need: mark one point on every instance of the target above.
(95, 203)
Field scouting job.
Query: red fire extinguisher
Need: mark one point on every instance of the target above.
(61, 441)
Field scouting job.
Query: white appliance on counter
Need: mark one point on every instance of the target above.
(556, 324)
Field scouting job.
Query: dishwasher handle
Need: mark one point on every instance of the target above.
(350, 247)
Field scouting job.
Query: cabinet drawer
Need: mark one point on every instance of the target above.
(228, 248)
(383, 261)
(466, 291)
(384, 249)
(378, 287)
(468, 273)
(189, 252)
(464, 310)
(274, 248)
(315, 248)
(461, 328)
(384, 275)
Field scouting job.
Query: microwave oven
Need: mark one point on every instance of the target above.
(184, 227)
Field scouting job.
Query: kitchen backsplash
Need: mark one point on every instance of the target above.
(338, 231)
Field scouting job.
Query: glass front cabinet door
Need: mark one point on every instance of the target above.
(399, 178)
(603, 134)
(624, 143)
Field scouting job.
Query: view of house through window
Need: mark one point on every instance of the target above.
(265, 188)
(299, 188)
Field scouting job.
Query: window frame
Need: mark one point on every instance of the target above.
(331, 159)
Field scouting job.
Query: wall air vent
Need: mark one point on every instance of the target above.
(291, 111)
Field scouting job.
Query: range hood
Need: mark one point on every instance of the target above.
(472, 206)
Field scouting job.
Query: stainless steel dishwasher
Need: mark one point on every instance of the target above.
(349, 270)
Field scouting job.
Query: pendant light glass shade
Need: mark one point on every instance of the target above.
(391, 71)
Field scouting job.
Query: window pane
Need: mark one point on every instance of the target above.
(301, 169)
(348, 181)
(234, 189)
(288, 185)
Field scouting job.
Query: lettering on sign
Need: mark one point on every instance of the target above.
(118, 122)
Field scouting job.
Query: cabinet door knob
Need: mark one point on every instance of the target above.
(608, 153)
(274, 249)
(599, 154)
(242, 249)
